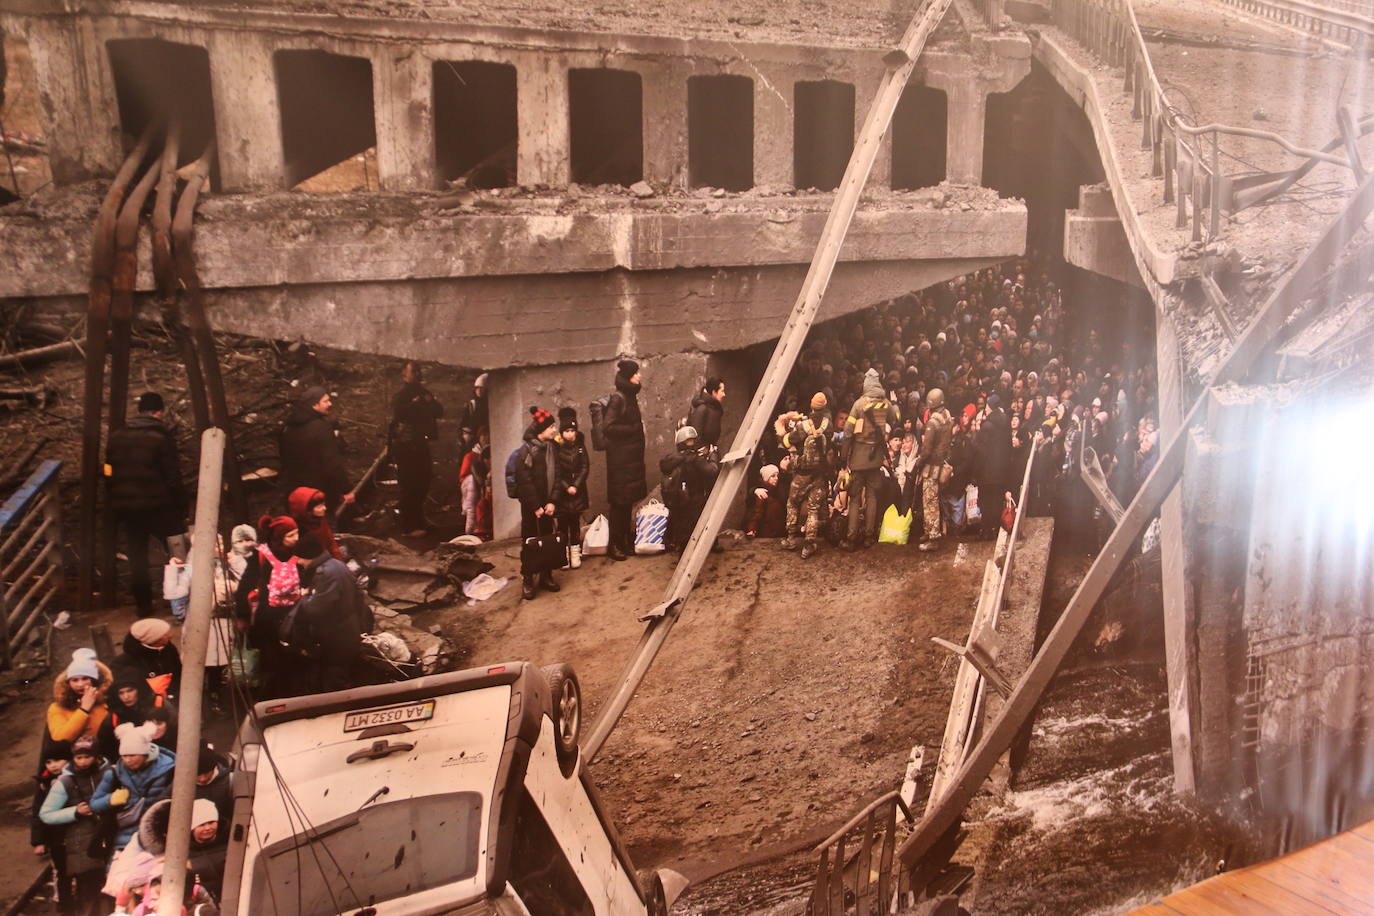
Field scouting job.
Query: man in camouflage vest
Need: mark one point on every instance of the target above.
(808, 442)
(934, 453)
(865, 441)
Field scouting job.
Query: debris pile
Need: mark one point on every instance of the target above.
(403, 584)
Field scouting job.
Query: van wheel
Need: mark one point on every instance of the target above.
(656, 901)
(566, 696)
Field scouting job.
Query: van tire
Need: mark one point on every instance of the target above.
(565, 705)
(656, 901)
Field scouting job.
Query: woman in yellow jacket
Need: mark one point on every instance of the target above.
(78, 705)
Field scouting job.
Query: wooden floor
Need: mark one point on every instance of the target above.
(1333, 876)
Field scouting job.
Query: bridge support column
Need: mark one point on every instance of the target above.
(77, 95)
(247, 117)
(880, 178)
(772, 130)
(403, 85)
(966, 85)
(665, 125)
(542, 120)
(1180, 618)
(1095, 240)
(968, 115)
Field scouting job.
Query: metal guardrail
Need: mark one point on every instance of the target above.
(846, 883)
(1186, 158)
(1352, 27)
(30, 555)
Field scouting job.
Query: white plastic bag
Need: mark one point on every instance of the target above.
(482, 586)
(176, 581)
(598, 537)
(651, 524)
(972, 513)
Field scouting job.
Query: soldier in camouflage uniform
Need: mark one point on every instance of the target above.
(934, 453)
(807, 439)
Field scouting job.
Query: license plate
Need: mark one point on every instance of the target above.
(389, 715)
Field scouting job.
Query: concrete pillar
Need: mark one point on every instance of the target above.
(1180, 619)
(403, 87)
(664, 106)
(772, 130)
(669, 384)
(247, 118)
(544, 140)
(77, 96)
(865, 90)
(968, 110)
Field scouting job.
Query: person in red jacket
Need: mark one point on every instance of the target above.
(308, 507)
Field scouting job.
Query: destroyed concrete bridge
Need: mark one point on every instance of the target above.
(648, 192)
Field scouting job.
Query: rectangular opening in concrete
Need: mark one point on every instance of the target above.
(161, 82)
(720, 132)
(919, 128)
(606, 126)
(326, 113)
(475, 122)
(823, 133)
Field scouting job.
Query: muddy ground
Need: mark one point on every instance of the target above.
(789, 692)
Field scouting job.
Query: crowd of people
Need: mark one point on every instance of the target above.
(913, 419)
(929, 406)
(102, 795)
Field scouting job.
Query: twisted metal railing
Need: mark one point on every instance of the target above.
(1349, 24)
(862, 881)
(1187, 158)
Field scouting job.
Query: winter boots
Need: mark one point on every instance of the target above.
(788, 543)
(574, 557)
(808, 550)
(529, 585)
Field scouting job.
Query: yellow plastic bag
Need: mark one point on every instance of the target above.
(896, 528)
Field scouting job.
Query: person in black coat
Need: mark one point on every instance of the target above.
(329, 625)
(688, 475)
(570, 497)
(625, 477)
(148, 652)
(536, 484)
(708, 407)
(311, 451)
(954, 490)
(993, 472)
(129, 699)
(214, 781)
(414, 422)
(145, 491)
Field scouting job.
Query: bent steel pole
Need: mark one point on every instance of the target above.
(97, 333)
(201, 333)
(735, 464)
(121, 325)
(1254, 343)
(165, 276)
(195, 638)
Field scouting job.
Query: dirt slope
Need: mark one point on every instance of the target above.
(788, 693)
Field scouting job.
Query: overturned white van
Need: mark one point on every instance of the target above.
(454, 793)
